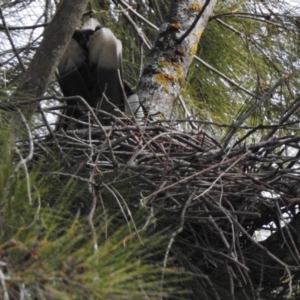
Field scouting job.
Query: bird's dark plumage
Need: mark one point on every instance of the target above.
(91, 66)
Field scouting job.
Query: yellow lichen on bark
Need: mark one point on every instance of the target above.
(198, 34)
(173, 71)
(163, 79)
(165, 64)
(194, 49)
(195, 7)
(175, 25)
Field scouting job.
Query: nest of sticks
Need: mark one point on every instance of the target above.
(218, 196)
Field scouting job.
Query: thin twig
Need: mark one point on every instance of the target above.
(11, 41)
(252, 109)
(173, 236)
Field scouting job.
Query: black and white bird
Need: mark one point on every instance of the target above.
(92, 66)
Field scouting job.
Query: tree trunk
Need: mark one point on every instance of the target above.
(171, 57)
(36, 78)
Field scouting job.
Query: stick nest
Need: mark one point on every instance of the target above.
(216, 197)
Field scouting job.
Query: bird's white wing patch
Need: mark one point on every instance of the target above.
(91, 24)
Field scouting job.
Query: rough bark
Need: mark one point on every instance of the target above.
(170, 59)
(36, 78)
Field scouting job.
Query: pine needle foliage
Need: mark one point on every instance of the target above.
(48, 253)
(254, 46)
(51, 248)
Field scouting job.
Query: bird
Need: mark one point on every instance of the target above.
(90, 67)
